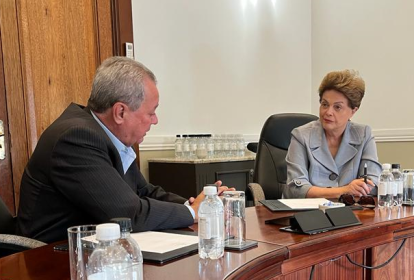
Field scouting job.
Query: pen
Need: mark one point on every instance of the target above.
(365, 173)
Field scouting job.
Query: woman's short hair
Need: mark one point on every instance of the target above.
(347, 82)
(119, 79)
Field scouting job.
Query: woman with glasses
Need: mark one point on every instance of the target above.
(326, 158)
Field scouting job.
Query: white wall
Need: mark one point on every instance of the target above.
(224, 66)
(375, 37)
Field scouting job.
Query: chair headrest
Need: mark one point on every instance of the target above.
(277, 129)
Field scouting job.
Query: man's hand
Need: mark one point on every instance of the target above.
(195, 202)
(220, 190)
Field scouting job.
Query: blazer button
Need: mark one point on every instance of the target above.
(333, 177)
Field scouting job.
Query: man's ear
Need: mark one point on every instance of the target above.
(118, 112)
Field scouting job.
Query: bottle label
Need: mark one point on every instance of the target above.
(391, 188)
(186, 147)
(241, 146)
(217, 146)
(394, 188)
(400, 186)
(204, 228)
(382, 188)
(210, 147)
(193, 147)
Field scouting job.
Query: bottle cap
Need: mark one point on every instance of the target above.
(386, 166)
(395, 166)
(178, 136)
(107, 232)
(210, 190)
(124, 223)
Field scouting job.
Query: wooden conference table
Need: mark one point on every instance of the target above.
(279, 255)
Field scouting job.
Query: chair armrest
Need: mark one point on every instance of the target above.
(257, 193)
(252, 147)
(19, 243)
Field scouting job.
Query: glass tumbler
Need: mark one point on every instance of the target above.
(234, 218)
(80, 248)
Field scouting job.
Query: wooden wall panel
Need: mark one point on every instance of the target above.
(122, 24)
(60, 46)
(6, 186)
(14, 91)
(402, 265)
(105, 29)
(51, 49)
(339, 269)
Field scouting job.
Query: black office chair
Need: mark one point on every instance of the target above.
(9, 242)
(270, 170)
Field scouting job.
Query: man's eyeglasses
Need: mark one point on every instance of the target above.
(363, 201)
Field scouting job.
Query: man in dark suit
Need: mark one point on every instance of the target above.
(83, 170)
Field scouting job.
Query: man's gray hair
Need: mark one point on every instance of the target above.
(119, 79)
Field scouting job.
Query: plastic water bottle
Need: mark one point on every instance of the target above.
(226, 146)
(131, 246)
(385, 186)
(240, 145)
(201, 146)
(193, 146)
(109, 260)
(398, 184)
(178, 147)
(232, 138)
(210, 146)
(186, 147)
(218, 146)
(211, 225)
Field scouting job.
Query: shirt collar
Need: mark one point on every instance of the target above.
(127, 154)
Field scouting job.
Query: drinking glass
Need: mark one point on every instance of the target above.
(408, 194)
(234, 218)
(80, 248)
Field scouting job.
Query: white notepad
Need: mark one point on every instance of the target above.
(304, 203)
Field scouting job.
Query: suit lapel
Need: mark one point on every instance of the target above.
(347, 150)
(320, 150)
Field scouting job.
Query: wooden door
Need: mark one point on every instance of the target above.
(50, 51)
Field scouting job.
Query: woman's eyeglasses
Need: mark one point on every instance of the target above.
(363, 201)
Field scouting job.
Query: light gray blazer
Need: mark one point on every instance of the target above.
(310, 163)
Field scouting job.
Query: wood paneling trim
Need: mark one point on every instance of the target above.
(122, 25)
(14, 89)
(105, 33)
(347, 238)
(31, 127)
(263, 267)
(401, 267)
(6, 187)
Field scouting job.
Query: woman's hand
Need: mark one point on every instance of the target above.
(359, 188)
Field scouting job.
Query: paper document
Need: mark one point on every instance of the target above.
(158, 242)
(162, 242)
(303, 203)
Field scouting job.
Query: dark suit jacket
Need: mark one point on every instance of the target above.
(75, 177)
